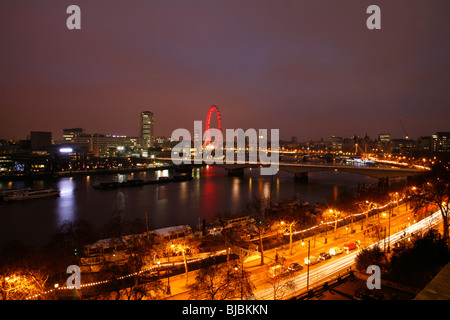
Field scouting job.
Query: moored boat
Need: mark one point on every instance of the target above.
(5, 192)
(115, 184)
(139, 182)
(26, 194)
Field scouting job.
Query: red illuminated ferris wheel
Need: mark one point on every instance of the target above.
(208, 126)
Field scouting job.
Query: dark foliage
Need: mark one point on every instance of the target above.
(370, 256)
(418, 263)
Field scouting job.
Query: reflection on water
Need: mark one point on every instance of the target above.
(335, 193)
(211, 194)
(66, 204)
(120, 201)
(162, 192)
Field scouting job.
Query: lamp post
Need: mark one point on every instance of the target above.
(367, 213)
(351, 225)
(282, 232)
(309, 262)
(159, 266)
(335, 214)
(168, 274)
(370, 205)
(397, 198)
(389, 236)
(242, 275)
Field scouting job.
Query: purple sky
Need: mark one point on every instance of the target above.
(310, 68)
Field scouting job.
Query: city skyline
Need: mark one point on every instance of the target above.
(66, 134)
(330, 176)
(312, 70)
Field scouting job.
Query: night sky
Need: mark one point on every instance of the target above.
(309, 68)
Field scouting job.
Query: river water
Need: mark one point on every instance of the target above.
(211, 194)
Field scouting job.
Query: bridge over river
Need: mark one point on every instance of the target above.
(301, 170)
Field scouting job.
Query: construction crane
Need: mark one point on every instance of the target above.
(404, 130)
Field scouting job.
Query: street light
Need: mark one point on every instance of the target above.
(242, 275)
(389, 236)
(168, 274)
(397, 198)
(159, 266)
(369, 206)
(309, 262)
(321, 222)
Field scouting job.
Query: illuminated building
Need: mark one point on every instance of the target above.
(336, 143)
(384, 137)
(146, 129)
(441, 142)
(101, 145)
(69, 134)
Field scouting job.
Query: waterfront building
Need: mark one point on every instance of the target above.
(69, 134)
(101, 145)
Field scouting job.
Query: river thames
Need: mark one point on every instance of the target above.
(211, 194)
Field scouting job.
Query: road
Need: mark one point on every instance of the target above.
(323, 271)
(319, 273)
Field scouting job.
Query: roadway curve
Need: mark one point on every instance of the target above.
(324, 270)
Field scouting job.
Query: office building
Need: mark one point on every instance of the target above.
(101, 145)
(440, 142)
(384, 137)
(146, 129)
(69, 134)
(336, 143)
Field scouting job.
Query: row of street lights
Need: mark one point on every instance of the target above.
(331, 211)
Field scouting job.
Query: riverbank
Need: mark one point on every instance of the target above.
(79, 173)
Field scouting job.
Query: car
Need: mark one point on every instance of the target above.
(277, 271)
(335, 251)
(295, 266)
(312, 260)
(351, 245)
(324, 256)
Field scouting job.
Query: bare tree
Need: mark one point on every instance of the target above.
(333, 215)
(435, 189)
(281, 284)
(23, 272)
(221, 282)
(147, 287)
(225, 234)
(259, 207)
(288, 221)
(186, 247)
(22, 284)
